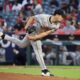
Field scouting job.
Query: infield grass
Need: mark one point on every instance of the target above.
(58, 71)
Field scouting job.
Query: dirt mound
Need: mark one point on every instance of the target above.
(10, 76)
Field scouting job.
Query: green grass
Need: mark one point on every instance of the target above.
(59, 71)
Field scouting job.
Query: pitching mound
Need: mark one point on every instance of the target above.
(9, 76)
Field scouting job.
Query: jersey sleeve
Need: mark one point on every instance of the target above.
(39, 16)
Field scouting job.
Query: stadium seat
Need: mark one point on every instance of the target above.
(77, 32)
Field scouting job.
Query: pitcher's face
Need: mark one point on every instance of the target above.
(58, 19)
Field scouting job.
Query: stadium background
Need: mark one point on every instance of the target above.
(14, 15)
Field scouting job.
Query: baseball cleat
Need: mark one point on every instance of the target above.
(1, 35)
(46, 73)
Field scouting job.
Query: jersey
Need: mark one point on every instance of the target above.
(43, 20)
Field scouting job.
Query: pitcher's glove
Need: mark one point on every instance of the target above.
(31, 29)
(2, 35)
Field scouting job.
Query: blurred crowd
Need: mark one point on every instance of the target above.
(60, 55)
(15, 13)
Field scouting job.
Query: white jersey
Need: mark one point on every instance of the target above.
(44, 20)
